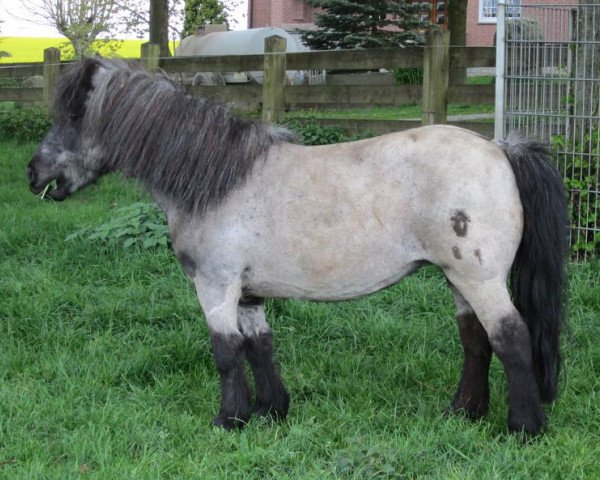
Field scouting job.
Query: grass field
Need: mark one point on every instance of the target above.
(31, 49)
(105, 369)
(395, 112)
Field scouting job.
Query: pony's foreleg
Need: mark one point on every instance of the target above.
(219, 302)
(509, 336)
(473, 395)
(271, 395)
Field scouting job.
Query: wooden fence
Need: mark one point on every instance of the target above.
(276, 94)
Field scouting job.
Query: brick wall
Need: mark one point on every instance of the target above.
(478, 34)
(287, 14)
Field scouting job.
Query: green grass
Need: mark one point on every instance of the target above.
(31, 49)
(481, 80)
(105, 369)
(400, 112)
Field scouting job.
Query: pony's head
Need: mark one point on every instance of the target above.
(65, 161)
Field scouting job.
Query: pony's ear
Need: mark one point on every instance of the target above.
(76, 104)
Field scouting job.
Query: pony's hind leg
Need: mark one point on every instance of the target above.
(472, 396)
(510, 340)
(219, 302)
(271, 395)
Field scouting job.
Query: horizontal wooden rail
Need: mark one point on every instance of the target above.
(26, 95)
(353, 94)
(356, 59)
(471, 94)
(210, 63)
(468, 57)
(251, 93)
(19, 70)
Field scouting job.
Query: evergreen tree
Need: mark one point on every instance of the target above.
(367, 24)
(202, 12)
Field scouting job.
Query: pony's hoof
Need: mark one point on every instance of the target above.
(528, 423)
(228, 423)
(473, 411)
(276, 407)
(276, 410)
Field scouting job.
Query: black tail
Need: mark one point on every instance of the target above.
(538, 273)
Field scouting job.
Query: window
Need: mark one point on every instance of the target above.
(298, 9)
(488, 9)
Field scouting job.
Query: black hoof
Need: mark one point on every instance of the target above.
(527, 423)
(228, 423)
(277, 409)
(471, 410)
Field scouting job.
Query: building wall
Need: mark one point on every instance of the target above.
(478, 34)
(287, 14)
(292, 14)
(554, 23)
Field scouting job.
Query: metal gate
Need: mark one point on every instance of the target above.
(549, 88)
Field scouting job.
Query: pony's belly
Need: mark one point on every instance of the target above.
(341, 285)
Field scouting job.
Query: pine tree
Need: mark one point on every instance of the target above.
(202, 12)
(367, 24)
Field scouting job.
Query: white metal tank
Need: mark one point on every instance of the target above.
(242, 42)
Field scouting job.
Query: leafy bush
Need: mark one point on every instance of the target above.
(582, 172)
(140, 224)
(24, 124)
(312, 133)
(408, 76)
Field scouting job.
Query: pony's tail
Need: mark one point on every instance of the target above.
(538, 271)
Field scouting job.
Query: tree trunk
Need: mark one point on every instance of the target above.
(159, 25)
(457, 24)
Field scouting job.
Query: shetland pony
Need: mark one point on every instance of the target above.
(253, 215)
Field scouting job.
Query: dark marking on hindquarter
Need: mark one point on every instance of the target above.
(456, 253)
(460, 223)
(477, 254)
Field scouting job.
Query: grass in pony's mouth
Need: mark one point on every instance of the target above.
(51, 184)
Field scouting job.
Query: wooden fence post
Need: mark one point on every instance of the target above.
(51, 72)
(150, 55)
(274, 78)
(436, 67)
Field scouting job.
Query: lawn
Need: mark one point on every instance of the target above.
(394, 112)
(31, 49)
(106, 371)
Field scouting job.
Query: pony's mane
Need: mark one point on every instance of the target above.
(189, 149)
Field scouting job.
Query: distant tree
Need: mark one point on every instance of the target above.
(159, 25)
(80, 21)
(202, 12)
(367, 24)
(457, 24)
(3, 53)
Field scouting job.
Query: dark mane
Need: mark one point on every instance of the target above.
(188, 149)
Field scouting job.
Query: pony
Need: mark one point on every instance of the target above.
(254, 215)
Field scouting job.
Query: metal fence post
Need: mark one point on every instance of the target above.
(436, 68)
(500, 66)
(51, 72)
(274, 78)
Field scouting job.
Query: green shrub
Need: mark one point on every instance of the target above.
(24, 124)
(140, 224)
(312, 133)
(408, 76)
(582, 173)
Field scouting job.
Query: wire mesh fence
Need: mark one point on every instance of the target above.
(552, 92)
